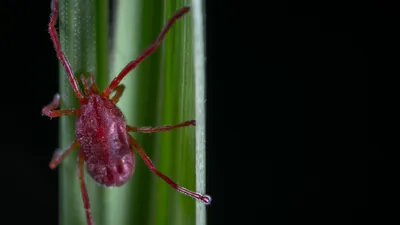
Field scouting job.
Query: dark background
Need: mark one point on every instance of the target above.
(273, 158)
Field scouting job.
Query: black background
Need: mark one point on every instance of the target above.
(298, 95)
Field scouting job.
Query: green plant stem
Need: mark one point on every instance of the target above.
(82, 29)
(160, 91)
(198, 35)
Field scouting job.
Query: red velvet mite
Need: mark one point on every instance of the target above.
(101, 130)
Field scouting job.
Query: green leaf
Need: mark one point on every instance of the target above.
(82, 29)
(199, 73)
(165, 89)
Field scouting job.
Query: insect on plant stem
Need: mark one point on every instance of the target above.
(102, 139)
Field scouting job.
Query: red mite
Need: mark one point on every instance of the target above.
(101, 130)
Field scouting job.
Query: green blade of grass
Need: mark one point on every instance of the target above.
(199, 72)
(134, 31)
(83, 32)
(176, 152)
(161, 91)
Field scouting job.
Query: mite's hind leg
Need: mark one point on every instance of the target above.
(85, 196)
(60, 154)
(157, 129)
(119, 90)
(204, 198)
(49, 111)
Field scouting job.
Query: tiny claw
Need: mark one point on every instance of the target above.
(55, 160)
(56, 97)
(184, 10)
(45, 112)
(192, 122)
(53, 5)
(206, 199)
(52, 165)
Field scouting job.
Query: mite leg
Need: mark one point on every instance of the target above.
(60, 54)
(157, 129)
(85, 196)
(204, 198)
(131, 65)
(119, 90)
(93, 84)
(49, 111)
(88, 90)
(60, 154)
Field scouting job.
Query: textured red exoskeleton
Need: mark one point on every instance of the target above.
(101, 130)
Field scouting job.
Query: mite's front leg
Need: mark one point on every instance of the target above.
(119, 90)
(49, 110)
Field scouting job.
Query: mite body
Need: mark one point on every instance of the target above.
(104, 141)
